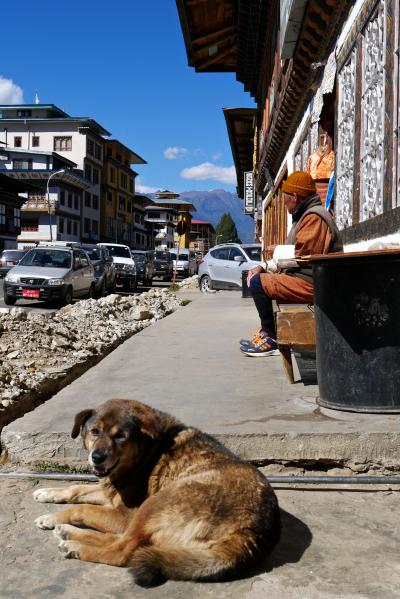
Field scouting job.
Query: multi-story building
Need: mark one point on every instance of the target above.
(52, 216)
(45, 127)
(202, 236)
(169, 199)
(117, 222)
(324, 76)
(163, 221)
(10, 205)
(143, 233)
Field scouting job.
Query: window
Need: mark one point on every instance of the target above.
(129, 206)
(121, 204)
(76, 201)
(95, 226)
(97, 151)
(2, 214)
(86, 225)
(109, 152)
(35, 141)
(118, 157)
(95, 176)
(88, 202)
(63, 144)
(69, 227)
(90, 146)
(137, 218)
(69, 199)
(18, 165)
(221, 253)
(112, 175)
(236, 252)
(17, 217)
(109, 197)
(131, 185)
(21, 114)
(88, 172)
(95, 202)
(62, 198)
(124, 181)
(17, 142)
(75, 228)
(61, 225)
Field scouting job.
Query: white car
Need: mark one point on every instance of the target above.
(222, 266)
(126, 275)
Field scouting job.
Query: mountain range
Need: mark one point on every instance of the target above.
(211, 205)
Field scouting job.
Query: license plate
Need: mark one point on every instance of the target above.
(9, 263)
(31, 293)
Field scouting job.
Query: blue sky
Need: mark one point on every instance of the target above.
(124, 64)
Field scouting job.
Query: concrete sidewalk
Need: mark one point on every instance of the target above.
(190, 364)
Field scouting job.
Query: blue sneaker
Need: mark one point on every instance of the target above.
(254, 338)
(263, 346)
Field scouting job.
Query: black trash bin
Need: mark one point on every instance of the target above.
(245, 288)
(357, 316)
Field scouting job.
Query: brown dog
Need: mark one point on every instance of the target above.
(172, 502)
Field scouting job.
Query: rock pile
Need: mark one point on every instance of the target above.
(189, 283)
(38, 349)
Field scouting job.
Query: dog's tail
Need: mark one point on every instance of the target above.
(152, 565)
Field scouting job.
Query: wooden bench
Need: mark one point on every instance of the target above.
(295, 329)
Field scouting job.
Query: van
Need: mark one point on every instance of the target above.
(186, 265)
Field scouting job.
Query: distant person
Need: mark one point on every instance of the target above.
(313, 232)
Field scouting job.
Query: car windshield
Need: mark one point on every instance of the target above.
(119, 251)
(162, 255)
(253, 252)
(47, 258)
(12, 255)
(139, 258)
(93, 253)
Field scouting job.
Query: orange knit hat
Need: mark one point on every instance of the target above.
(301, 183)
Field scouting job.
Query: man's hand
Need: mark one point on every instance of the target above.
(254, 271)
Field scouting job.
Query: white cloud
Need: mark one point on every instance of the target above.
(10, 93)
(216, 156)
(175, 153)
(142, 188)
(207, 170)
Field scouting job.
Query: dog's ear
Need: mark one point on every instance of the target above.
(146, 420)
(80, 420)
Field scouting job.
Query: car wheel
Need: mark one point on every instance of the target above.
(9, 301)
(92, 291)
(205, 284)
(103, 289)
(67, 297)
(130, 285)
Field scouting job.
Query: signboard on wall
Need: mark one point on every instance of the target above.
(248, 193)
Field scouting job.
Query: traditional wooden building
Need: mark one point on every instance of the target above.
(202, 236)
(324, 76)
(10, 206)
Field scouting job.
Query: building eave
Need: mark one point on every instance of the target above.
(240, 123)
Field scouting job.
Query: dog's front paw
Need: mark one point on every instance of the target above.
(70, 549)
(48, 495)
(46, 522)
(62, 531)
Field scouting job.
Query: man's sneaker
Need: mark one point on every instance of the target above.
(254, 338)
(265, 346)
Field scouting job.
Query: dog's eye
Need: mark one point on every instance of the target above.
(95, 432)
(120, 436)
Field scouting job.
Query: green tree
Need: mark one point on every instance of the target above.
(226, 230)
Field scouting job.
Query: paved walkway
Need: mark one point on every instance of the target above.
(334, 545)
(190, 364)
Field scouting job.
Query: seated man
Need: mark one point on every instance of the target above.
(313, 232)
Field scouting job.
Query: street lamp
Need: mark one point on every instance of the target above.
(48, 199)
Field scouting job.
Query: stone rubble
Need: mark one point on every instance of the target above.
(189, 283)
(37, 347)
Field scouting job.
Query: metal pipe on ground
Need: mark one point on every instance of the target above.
(282, 479)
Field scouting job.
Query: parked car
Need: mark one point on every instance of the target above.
(163, 265)
(126, 276)
(51, 272)
(184, 262)
(8, 259)
(144, 262)
(222, 266)
(104, 269)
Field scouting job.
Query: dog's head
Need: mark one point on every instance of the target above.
(115, 434)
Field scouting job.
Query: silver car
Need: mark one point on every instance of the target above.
(222, 266)
(51, 273)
